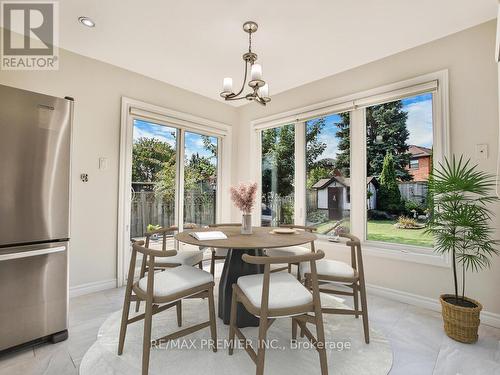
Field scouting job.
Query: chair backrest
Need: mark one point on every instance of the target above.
(356, 254)
(268, 260)
(164, 232)
(150, 254)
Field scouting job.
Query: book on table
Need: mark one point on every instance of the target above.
(211, 235)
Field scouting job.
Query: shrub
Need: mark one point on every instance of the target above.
(411, 206)
(317, 217)
(405, 222)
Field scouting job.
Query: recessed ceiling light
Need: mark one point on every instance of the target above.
(86, 21)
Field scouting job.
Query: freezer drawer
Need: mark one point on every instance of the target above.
(34, 293)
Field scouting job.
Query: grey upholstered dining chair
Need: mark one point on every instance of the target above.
(184, 257)
(279, 295)
(162, 291)
(333, 273)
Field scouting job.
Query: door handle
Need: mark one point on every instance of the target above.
(32, 253)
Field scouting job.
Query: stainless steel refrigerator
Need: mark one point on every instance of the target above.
(35, 143)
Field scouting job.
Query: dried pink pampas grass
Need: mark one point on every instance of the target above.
(243, 196)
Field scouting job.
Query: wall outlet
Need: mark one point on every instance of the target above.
(482, 151)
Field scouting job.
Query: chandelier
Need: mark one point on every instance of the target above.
(259, 88)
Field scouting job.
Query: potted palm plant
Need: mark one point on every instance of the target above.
(460, 223)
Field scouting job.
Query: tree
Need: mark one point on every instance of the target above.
(343, 160)
(388, 121)
(198, 173)
(148, 158)
(388, 195)
(209, 145)
(165, 181)
(278, 155)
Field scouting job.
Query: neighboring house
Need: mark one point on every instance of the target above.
(334, 195)
(419, 168)
(420, 163)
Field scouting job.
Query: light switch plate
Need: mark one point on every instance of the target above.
(482, 151)
(103, 164)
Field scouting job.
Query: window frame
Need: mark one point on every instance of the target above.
(413, 167)
(435, 83)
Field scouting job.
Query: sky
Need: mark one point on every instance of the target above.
(193, 141)
(419, 124)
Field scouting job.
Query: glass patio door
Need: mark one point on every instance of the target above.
(200, 179)
(154, 177)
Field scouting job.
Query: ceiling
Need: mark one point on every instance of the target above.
(195, 44)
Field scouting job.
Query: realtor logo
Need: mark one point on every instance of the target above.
(29, 35)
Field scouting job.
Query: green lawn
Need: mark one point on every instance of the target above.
(385, 231)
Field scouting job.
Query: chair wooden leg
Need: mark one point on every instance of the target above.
(179, 313)
(200, 265)
(364, 308)
(141, 275)
(294, 329)
(355, 291)
(212, 265)
(261, 350)
(299, 277)
(320, 332)
(146, 346)
(232, 321)
(289, 268)
(125, 313)
(211, 313)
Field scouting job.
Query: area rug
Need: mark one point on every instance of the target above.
(346, 349)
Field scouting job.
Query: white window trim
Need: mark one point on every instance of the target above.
(436, 82)
(131, 109)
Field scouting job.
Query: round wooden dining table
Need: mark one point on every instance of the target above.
(234, 266)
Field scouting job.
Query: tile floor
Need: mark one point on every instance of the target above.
(416, 335)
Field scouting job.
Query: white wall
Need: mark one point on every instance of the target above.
(97, 88)
(469, 57)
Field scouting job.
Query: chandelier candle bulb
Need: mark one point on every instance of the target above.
(264, 91)
(227, 85)
(256, 72)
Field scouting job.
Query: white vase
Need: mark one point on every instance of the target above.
(246, 224)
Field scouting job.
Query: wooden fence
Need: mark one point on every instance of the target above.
(147, 208)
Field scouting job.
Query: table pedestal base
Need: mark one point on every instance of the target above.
(234, 267)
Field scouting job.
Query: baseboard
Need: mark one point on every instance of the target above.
(487, 318)
(97, 286)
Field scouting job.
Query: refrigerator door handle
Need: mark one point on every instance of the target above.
(31, 253)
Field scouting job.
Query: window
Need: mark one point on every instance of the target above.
(328, 165)
(153, 177)
(361, 162)
(399, 140)
(200, 179)
(278, 168)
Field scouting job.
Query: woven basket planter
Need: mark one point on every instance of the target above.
(461, 323)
